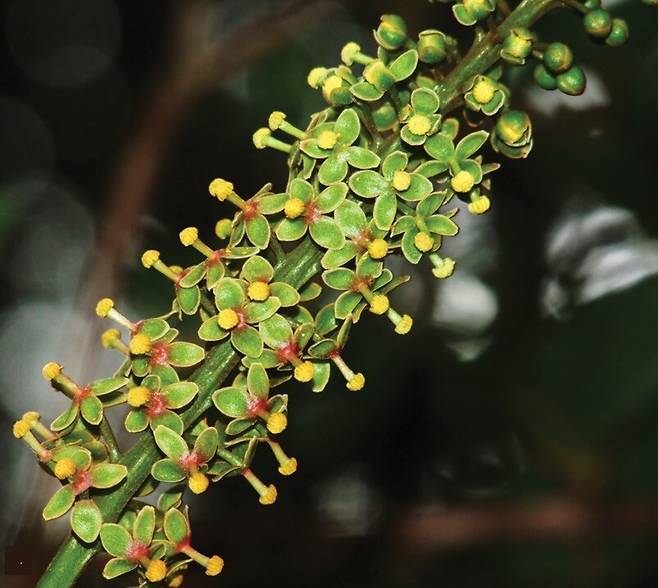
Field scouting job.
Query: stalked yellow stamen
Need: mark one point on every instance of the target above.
(444, 268)
(220, 188)
(214, 566)
(419, 124)
(188, 236)
(289, 467)
(258, 291)
(401, 180)
(260, 138)
(377, 248)
(31, 416)
(330, 85)
(51, 370)
(327, 139)
(462, 182)
(198, 482)
(150, 257)
(484, 90)
(269, 496)
(21, 428)
(156, 570)
(223, 228)
(109, 337)
(104, 306)
(379, 304)
(304, 371)
(423, 241)
(228, 318)
(479, 206)
(315, 76)
(277, 422)
(64, 468)
(140, 344)
(138, 396)
(349, 52)
(356, 382)
(276, 120)
(404, 326)
(294, 207)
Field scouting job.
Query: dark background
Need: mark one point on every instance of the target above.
(509, 440)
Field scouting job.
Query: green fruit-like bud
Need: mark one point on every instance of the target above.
(431, 47)
(518, 43)
(379, 75)
(514, 128)
(572, 81)
(619, 33)
(598, 23)
(392, 32)
(479, 9)
(544, 78)
(558, 57)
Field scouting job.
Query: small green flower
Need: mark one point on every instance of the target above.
(469, 12)
(619, 33)
(391, 32)
(558, 58)
(572, 82)
(517, 45)
(513, 134)
(485, 95)
(335, 84)
(598, 23)
(380, 78)
(393, 182)
(420, 117)
(433, 46)
(258, 273)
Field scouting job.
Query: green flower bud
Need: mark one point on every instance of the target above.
(431, 46)
(598, 23)
(544, 78)
(379, 75)
(572, 81)
(558, 57)
(514, 128)
(518, 44)
(385, 117)
(391, 32)
(592, 4)
(479, 9)
(619, 33)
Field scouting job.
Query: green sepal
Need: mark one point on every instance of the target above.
(440, 147)
(286, 294)
(275, 331)
(291, 229)
(396, 161)
(193, 276)
(188, 299)
(339, 279)
(107, 475)
(257, 268)
(140, 366)
(167, 470)
(144, 526)
(346, 303)
(325, 320)
(107, 385)
(206, 444)
(170, 498)
(310, 292)
(258, 384)
(169, 420)
(385, 210)
(116, 567)
(368, 184)
(269, 359)
(303, 334)
(351, 219)
(91, 409)
(215, 273)
(366, 91)
(326, 233)
(409, 249)
(180, 394)
(170, 443)
(404, 65)
(221, 469)
(322, 349)
(255, 312)
(211, 331)
(419, 188)
(59, 503)
(238, 426)
(462, 15)
(175, 526)
(231, 401)
(347, 126)
(331, 197)
(258, 231)
(81, 457)
(272, 203)
(86, 520)
(321, 375)
(362, 158)
(431, 168)
(441, 225)
(470, 144)
(247, 341)
(229, 293)
(115, 539)
(154, 328)
(185, 354)
(136, 421)
(65, 419)
(333, 169)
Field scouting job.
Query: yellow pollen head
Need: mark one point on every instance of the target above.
(51, 370)
(379, 304)
(21, 428)
(404, 326)
(104, 306)
(109, 337)
(294, 207)
(276, 120)
(327, 139)
(289, 467)
(220, 188)
(479, 205)
(31, 416)
(198, 482)
(260, 137)
(356, 382)
(140, 344)
(445, 270)
(223, 228)
(423, 241)
(304, 372)
(269, 496)
(188, 236)
(156, 570)
(150, 257)
(64, 468)
(330, 85)
(401, 180)
(214, 566)
(258, 291)
(315, 76)
(277, 422)
(484, 91)
(462, 182)
(377, 248)
(348, 53)
(138, 396)
(228, 319)
(419, 124)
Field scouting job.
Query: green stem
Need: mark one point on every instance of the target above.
(110, 440)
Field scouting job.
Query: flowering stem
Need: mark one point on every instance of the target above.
(110, 440)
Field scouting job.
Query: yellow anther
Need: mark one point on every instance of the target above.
(304, 372)
(379, 304)
(294, 207)
(327, 139)
(258, 291)
(220, 188)
(150, 257)
(109, 337)
(445, 270)
(269, 496)
(51, 370)
(484, 91)
(479, 205)
(138, 396)
(377, 248)
(214, 566)
(64, 468)
(356, 382)
(276, 120)
(156, 570)
(104, 306)
(277, 422)
(423, 241)
(462, 182)
(140, 344)
(289, 467)
(198, 482)
(223, 228)
(404, 326)
(228, 318)
(401, 180)
(419, 124)
(31, 416)
(349, 52)
(330, 85)
(188, 236)
(21, 428)
(315, 76)
(260, 136)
